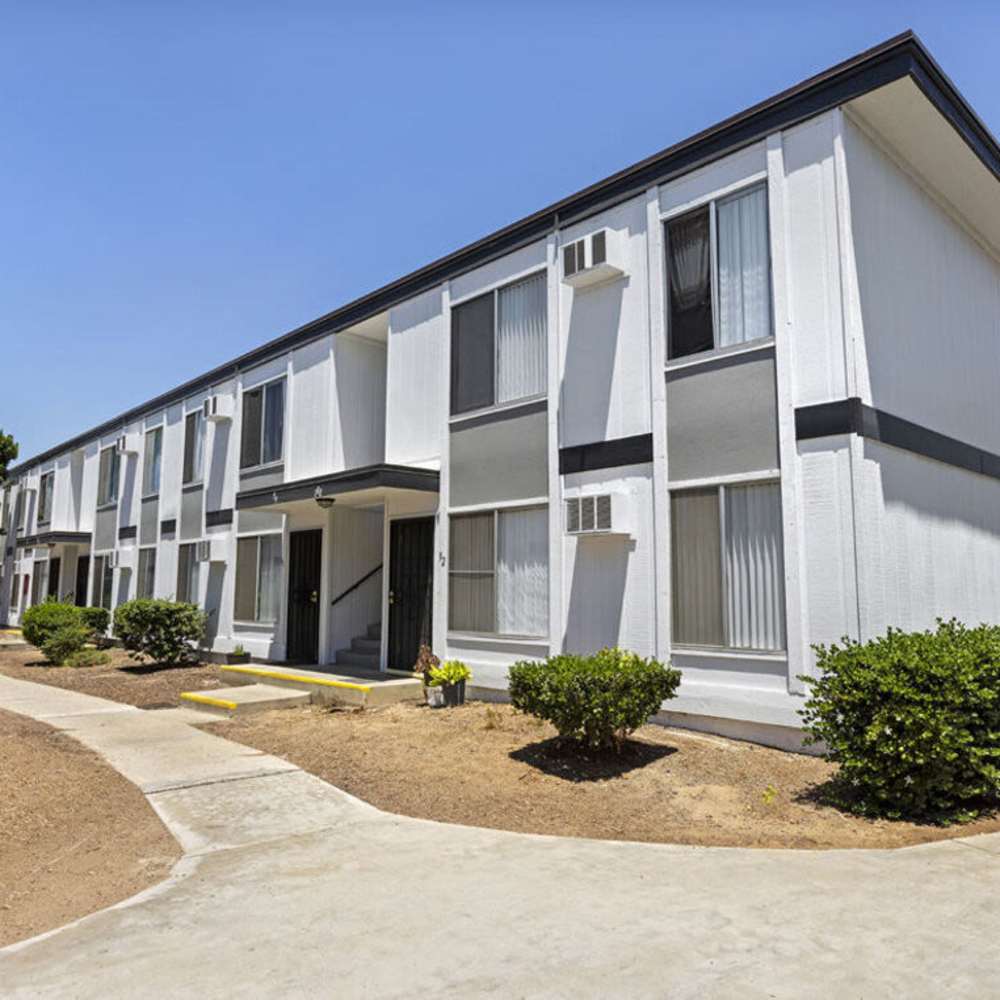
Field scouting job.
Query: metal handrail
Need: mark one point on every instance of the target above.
(354, 586)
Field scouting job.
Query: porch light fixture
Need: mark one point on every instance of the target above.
(324, 503)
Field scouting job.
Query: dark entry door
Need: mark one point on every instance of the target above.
(411, 589)
(304, 559)
(82, 572)
(55, 567)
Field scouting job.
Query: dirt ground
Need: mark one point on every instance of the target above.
(75, 836)
(123, 679)
(487, 765)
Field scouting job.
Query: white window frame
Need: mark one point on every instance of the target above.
(495, 291)
(139, 568)
(713, 201)
(47, 483)
(257, 536)
(262, 386)
(198, 475)
(145, 450)
(103, 500)
(496, 510)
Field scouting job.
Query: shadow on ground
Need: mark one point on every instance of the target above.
(565, 759)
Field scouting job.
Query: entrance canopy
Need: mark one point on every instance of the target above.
(56, 538)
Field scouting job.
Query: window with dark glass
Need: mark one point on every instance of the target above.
(187, 573)
(194, 447)
(152, 460)
(146, 583)
(45, 488)
(263, 425)
(107, 478)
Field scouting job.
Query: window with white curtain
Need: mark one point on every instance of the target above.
(151, 462)
(259, 575)
(499, 572)
(728, 567)
(719, 274)
(499, 346)
(194, 447)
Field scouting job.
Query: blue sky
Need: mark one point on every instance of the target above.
(182, 181)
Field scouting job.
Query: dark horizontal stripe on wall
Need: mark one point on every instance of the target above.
(213, 518)
(634, 450)
(852, 416)
(129, 531)
(900, 57)
(168, 527)
(494, 416)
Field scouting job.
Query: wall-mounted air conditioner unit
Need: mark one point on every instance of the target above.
(128, 444)
(211, 550)
(595, 258)
(600, 514)
(218, 406)
(122, 558)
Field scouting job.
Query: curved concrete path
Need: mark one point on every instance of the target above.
(292, 888)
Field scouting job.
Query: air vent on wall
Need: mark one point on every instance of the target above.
(593, 259)
(128, 444)
(601, 514)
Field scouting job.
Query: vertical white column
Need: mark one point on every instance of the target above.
(655, 269)
(557, 611)
(796, 609)
(439, 628)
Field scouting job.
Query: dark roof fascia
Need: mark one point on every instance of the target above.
(403, 477)
(56, 538)
(898, 57)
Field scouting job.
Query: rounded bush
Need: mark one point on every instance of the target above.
(41, 621)
(596, 700)
(96, 619)
(65, 643)
(913, 720)
(88, 658)
(162, 631)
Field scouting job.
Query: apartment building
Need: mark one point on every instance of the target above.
(728, 403)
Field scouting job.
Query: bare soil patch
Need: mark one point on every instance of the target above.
(75, 836)
(488, 765)
(124, 679)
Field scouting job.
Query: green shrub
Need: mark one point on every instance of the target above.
(64, 643)
(597, 700)
(913, 720)
(450, 672)
(162, 631)
(41, 621)
(88, 658)
(96, 619)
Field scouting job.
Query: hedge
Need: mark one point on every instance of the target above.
(162, 631)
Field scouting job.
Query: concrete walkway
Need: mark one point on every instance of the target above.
(291, 888)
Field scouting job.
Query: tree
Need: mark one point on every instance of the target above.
(8, 452)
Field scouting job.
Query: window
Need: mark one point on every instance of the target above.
(151, 462)
(45, 497)
(194, 447)
(14, 591)
(719, 274)
(103, 578)
(728, 567)
(263, 424)
(107, 481)
(146, 583)
(498, 346)
(499, 574)
(187, 573)
(19, 509)
(40, 581)
(259, 575)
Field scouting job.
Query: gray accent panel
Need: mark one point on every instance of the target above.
(105, 522)
(254, 521)
(500, 461)
(263, 478)
(722, 421)
(149, 513)
(213, 518)
(191, 519)
(126, 532)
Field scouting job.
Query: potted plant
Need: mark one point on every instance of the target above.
(238, 655)
(448, 679)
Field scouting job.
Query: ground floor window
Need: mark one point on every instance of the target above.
(13, 591)
(146, 583)
(499, 572)
(728, 567)
(103, 578)
(187, 573)
(40, 581)
(259, 576)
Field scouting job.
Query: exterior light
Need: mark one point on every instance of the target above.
(325, 503)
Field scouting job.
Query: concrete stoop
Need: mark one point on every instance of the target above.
(260, 687)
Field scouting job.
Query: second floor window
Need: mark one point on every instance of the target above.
(719, 274)
(107, 478)
(194, 447)
(263, 424)
(498, 346)
(45, 498)
(151, 462)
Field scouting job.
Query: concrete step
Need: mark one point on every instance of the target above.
(245, 699)
(375, 631)
(355, 686)
(353, 658)
(365, 645)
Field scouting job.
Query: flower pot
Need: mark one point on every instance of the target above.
(454, 694)
(435, 697)
(237, 658)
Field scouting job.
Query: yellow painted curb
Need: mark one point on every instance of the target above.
(280, 675)
(204, 699)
